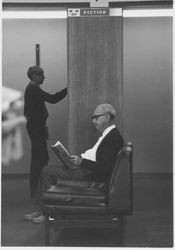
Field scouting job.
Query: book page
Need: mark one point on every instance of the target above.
(62, 153)
(58, 143)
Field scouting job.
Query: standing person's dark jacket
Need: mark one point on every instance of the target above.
(35, 109)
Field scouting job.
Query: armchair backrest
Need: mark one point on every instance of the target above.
(120, 184)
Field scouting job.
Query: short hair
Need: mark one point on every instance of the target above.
(109, 109)
(34, 70)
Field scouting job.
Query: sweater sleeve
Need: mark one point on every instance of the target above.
(53, 98)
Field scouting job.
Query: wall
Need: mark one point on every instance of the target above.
(18, 53)
(148, 92)
(147, 83)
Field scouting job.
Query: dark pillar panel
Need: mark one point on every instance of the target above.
(95, 72)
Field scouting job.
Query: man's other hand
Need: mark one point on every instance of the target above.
(75, 159)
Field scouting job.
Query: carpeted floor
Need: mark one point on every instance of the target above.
(151, 224)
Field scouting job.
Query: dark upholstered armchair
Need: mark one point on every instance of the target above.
(68, 206)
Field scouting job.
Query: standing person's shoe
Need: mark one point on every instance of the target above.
(32, 215)
(40, 219)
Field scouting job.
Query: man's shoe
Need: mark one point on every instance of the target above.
(31, 216)
(40, 219)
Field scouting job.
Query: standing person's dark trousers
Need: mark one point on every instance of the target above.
(39, 155)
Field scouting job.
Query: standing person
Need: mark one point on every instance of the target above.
(36, 114)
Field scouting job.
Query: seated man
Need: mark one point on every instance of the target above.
(93, 165)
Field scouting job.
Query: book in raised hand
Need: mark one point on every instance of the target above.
(62, 154)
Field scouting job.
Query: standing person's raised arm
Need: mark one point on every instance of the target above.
(53, 98)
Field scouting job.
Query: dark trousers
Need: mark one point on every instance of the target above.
(51, 175)
(61, 175)
(39, 156)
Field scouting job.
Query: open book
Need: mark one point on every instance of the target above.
(63, 154)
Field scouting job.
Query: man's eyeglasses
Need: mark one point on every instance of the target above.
(97, 116)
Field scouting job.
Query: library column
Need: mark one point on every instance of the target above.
(95, 70)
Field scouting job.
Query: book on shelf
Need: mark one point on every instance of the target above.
(62, 154)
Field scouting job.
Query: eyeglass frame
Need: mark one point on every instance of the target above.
(97, 116)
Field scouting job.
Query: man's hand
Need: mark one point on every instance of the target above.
(75, 159)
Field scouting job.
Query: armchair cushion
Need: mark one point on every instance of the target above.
(75, 195)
